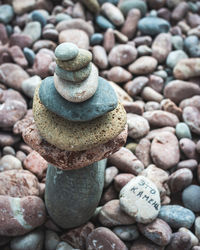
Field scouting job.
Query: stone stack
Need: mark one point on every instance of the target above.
(78, 122)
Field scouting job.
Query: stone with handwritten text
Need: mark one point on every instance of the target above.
(140, 199)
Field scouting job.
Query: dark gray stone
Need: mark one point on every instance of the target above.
(191, 198)
(72, 196)
(103, 101)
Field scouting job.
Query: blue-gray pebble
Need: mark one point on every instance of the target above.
(103, 23)
(177, 216)
(108, 1)
(177, 42)
(127, 5)
(96, 39)
(30, 55)
(103, 101)
(153, 26)
(62, 16)
(190, 41)
(174, 57)
(183, 131)
(127, 232)
(72, 196)
(37, 16)
(6, 13)
(191, 198)
(66, 51)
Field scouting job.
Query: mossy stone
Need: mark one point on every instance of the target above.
(83, 58)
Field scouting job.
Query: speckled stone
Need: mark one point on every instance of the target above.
(67, 187)
(177, 216)
(79, 92)
(66, 51)
(103, 101)
(74, 76)
(77, 136)
(83, 58)
(67, 160)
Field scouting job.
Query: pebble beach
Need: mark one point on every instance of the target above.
(86, 80)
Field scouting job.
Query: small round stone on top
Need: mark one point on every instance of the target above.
(66, 51)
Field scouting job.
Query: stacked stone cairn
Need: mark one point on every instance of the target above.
(78, 122)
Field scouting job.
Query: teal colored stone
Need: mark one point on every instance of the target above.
(127, 5)
(174, 57)
(115, 2)
(37, 16)
(66, 51)
(177, 42)
(190, 41)
(62, 17)
(183, 131)
(103, 101)
(193, 7)
(103, 23)
(96, 39)
(9, 29)
(161, 73)
(30, 55)
(153, 26)
(177, 216)
(74, 76)
(6, 13)
(72, 196)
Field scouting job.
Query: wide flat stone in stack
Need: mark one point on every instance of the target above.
(76, 112)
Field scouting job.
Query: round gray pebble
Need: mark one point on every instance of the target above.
(191, 198)
(66, 51)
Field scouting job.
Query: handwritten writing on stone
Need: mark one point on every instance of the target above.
(140, 199)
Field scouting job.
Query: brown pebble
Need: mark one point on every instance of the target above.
(121, 180)
(109, 40)
(188, 147)
(126, 161)
(142, 151)
(180, 179)
(143, 65)
(111, 215)
(135, 86)
(119, 75)
(100, 57)
(180, 241)
(189, 164)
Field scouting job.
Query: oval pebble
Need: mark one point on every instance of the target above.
(66, 51)
(191, 198)
(177, 216)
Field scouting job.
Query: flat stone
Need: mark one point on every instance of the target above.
(191, 116)
(83, 58)
(66, 51)
(92, 5)
(165, 150)
(177, 216)
(183, 131)
(20, 215)
(105, 238)
(67, 187)
(74, 76)
(78, 92)
(34, 30)
(78, 136)
(103, 101)
(67, 160)
(140, 199)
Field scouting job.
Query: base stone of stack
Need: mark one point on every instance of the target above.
(68, 187)
(68, 160)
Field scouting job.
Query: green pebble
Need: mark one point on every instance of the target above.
(183, 131)
(74, 76)
(66, 51)
(83, 58)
